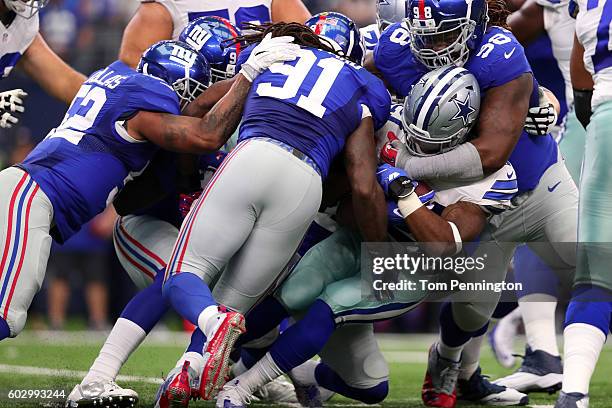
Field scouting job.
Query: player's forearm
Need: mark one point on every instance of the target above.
(56, 77)
(370, 211)
(433, 231)
(462, 164)
(223, 119)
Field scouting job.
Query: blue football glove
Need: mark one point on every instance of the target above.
(394, 216)
(394, 181)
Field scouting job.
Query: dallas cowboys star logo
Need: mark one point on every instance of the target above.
(464, 110)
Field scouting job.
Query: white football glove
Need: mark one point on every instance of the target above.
(11, 102)
(267, 52)
(541, 119)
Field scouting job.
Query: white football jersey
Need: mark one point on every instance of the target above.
(493, 193)
(559, 26)
(370, 35)
(236, 11)
(16, 38)
(593, 29)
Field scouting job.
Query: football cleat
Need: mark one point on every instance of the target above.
(229, 326)
(308, 393)
(232, 395)
(572, 400)
(501, 338)
(479, 389)
(101, 393)
(540, 372)
(178, 388)
(440, 381)
(277, 391)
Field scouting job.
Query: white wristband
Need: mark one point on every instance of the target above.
(410, 204)
(457, 237)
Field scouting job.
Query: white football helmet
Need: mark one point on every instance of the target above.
(25, 8)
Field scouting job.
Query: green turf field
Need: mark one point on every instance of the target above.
(50, 360)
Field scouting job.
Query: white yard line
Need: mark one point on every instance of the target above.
(51, 372)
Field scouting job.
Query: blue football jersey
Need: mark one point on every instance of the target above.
(89, 157)
(499, 60)
(313, 103)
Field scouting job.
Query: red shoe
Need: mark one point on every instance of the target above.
(175, 392)
(439, 387)
(216, 370)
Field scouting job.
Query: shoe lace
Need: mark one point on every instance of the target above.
(449, 379)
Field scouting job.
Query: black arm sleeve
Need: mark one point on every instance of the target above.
(582, 105)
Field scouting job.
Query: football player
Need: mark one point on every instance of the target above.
(297, 119)
(112, 129)
(24, 47)
(158, 20)
(144, 239)
(471, 34)
(325, 289)
(545, 29)
(587, 321)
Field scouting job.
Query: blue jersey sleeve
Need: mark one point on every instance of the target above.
(151, 94)
(394, 59)
(499, 60)
(377, 99)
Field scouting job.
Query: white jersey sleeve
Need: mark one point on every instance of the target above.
(16, 38)
(493, 193)
(391, 129)
(593, 30)
(236, 11)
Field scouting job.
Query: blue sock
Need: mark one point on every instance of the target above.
(453, 335)
(250, 356)
(327, 378)
(148, 306)
(197, 342)
(591, 305)
(534, 275)
(188, 295)
(262, 319)
(5, 331)
(504, 308)
(306, 338)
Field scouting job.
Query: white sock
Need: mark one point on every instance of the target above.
(196, 361)
(238, 368)
(264, 371)
(583, 344)
(448, 352)
(539, 319)
(470, 357)
(207, 319)
(123, 339)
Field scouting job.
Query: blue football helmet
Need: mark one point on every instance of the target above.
(178, 64)
(25, 8)
(390, 11)
(340, 32)
(214, 37)
(443, 32)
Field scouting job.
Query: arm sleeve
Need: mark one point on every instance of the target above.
(461, 164)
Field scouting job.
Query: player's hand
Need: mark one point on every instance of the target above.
(395, 153)
(541, 119)
(267, 52)
(11, 102)
(186, 201)
(395, 182)
(394, 216)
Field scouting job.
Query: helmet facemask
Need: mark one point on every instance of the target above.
(188, 89)
(441, 45)
(25, 8)
(419, 142)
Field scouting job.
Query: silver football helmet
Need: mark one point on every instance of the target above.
(390, 11)
(25, 8)
(440, 111)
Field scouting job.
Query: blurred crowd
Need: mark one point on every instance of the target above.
(84, 278)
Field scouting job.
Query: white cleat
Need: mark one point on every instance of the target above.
(232, 395)
(277, 391)
(501, 338)
(101, 394)
(540, 372)
(308, 392)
